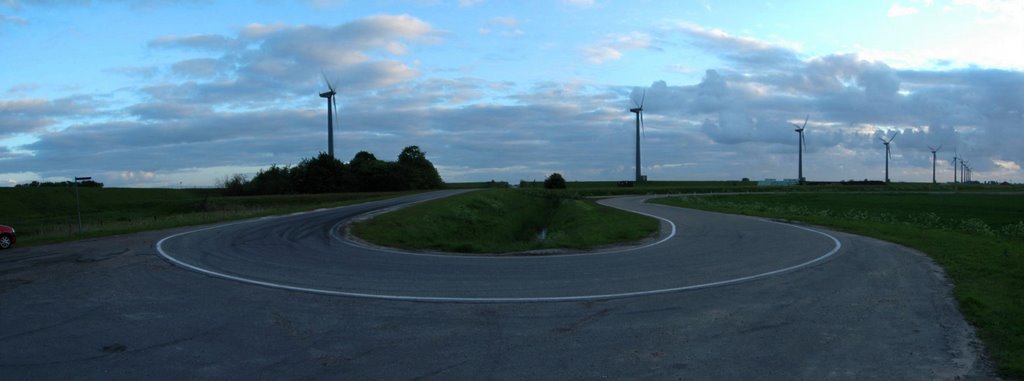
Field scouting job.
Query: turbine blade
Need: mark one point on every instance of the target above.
(805, 121)
(328, 82)
(643, 98)
(893, 137)
(643, 130)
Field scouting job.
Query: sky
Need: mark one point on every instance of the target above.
(153, 93)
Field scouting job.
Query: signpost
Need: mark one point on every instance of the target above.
(78, 204)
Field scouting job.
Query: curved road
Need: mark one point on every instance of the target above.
(304, 252)
(725, 297)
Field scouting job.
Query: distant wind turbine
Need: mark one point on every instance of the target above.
(964, 170)
(954, 165)
(639, 111)
(934, 150)
(329, 94)
(800, 149)
(888, 154)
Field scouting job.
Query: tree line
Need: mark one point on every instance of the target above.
(50, 184)
(325, 174)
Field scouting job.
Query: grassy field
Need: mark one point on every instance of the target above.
(607, 188)
(505, 220)
(977, 238)
(47, 215)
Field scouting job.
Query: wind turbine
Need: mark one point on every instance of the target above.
(964, 168)
(934, 150)
(954, 165)
(888, 154)
(329, 94)
(800, 148)
(639, 111)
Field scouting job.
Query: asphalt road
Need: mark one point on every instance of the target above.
(725, 297)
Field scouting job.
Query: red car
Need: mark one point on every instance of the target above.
(7, 237)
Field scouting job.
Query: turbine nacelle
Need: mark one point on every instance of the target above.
(801, 128)
(886, 142)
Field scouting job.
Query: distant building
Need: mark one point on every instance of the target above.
(777, 183)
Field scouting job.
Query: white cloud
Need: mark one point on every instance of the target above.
(612, 46)
(5, 19)
(601, 54)
(257, 30)
(506, 25)
(506, 21)
(580, 3)
(1007, 165)
(897, 10)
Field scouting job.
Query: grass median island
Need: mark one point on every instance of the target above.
(48, 215)
(977, 238)
(503, 221)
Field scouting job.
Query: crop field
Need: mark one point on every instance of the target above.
(48, 215)
(977, 238)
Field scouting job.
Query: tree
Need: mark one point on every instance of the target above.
(418, 172)
(322, 174)
(365, 170)
(555, 181)
(274, 180)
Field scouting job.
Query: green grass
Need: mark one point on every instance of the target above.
(977, 238)
(607, 188)
(477, 185)
(47, 215)
(505, 220)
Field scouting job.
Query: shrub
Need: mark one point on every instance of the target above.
(555, 181)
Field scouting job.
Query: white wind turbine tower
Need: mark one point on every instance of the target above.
(888, 154)
(329, 94)
(934, 150)
(955, 158)
(800, 147)
(639, 111)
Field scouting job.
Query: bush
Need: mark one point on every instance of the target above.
(235, 185)
(555, 181)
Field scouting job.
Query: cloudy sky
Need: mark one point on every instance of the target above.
(153, 93)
